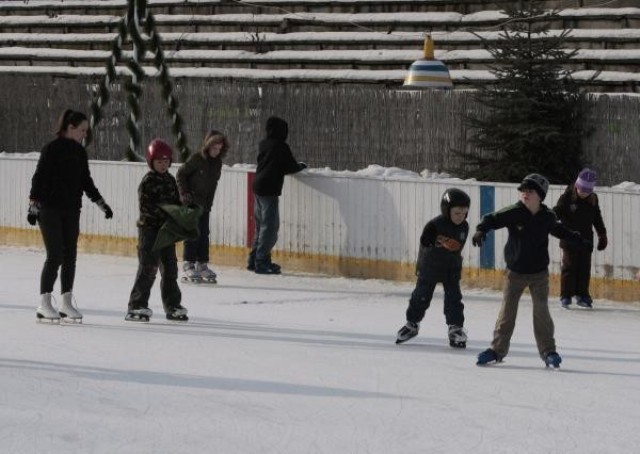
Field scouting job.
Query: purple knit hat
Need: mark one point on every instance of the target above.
(586, 180)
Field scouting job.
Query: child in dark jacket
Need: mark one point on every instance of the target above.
(578, 209)
(527, 257)
(197, 181)
(440, 260)
(275, 160)
(157, 187)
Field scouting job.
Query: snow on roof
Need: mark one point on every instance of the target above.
(322, 75)
(318, 36)
(351, 55)
(363, 18)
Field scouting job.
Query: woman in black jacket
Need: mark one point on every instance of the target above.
(61, 177)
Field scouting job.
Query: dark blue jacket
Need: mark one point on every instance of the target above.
(527, 248)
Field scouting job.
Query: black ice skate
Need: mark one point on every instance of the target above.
(177, 314)
(585, 302)
(142, 315)
(408, 331)
(457, 336)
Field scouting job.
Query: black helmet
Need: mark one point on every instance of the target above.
(453, 197)
(536, 182)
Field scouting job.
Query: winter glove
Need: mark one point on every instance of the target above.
(108, 214)
(602, 242)
(302, 165)
(34, 212)
(478, 238)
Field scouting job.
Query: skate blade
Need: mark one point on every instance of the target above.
(47, 321)
(186, 280)
(71, 321)
(458, 344)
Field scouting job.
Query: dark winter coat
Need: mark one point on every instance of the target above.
(582, 215)
(198, 178)
(275, 160)
(156, 189)
(62, 175)
(441, 246)
(527, 248)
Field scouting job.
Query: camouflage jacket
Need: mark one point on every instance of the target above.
(156, 189)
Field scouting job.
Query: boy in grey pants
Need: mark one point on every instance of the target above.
(527, 257)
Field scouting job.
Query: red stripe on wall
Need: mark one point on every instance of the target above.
(251, 222)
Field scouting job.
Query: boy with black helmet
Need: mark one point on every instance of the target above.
(526, 254)
(440, 260)
(157, 187)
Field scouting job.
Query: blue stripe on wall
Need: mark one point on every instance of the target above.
(488, 249)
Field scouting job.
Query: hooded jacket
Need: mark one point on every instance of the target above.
(62, 176)
(275, 159)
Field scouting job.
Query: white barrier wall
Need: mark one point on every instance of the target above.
(331, 215)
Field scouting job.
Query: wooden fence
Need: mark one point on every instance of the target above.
(346, 126)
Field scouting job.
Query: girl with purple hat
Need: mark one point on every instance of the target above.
(578, 209)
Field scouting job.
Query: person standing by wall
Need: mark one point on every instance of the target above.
(578, 209)
(275, 160)
(62, 175)
(197, 182)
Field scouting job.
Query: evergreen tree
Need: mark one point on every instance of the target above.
(533, 121)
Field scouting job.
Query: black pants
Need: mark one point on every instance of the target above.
(60, 230)
(575, 273)
(198, 250)
(423, 293)
(148, 263)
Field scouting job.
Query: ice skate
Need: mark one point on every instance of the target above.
(206, 274)
(565, 302)
(552, 360)
(139, 315)
(177, 314)
(190, 274)
(46, 311)
(68, 312)
(457, 336)
(408, 331)
(488, 356)
(585, 302)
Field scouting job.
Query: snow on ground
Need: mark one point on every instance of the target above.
(302, 364)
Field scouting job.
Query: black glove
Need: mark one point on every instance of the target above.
(602, 242)
(302, 165)
(34, 212)
(478, 238)
(108, 214)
